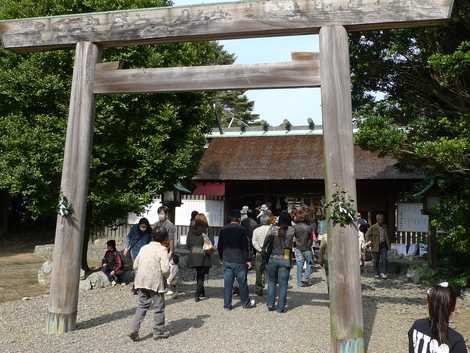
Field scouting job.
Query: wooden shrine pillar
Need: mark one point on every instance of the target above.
(67, 256)
(343, 252)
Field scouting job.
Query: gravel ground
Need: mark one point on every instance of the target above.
(104, 317)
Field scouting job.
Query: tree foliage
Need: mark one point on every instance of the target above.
(142, 143)
(411, 90)
(234, 107)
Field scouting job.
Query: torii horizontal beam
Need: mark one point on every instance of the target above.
(218, 21)
(295, 74)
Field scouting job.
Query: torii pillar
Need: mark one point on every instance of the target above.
(68, 245)
(346, 320)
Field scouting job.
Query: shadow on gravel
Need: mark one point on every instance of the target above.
(182, 325)
(101, 320)
(118, 315)
(299, 299)
(370, 310)
(369, 319)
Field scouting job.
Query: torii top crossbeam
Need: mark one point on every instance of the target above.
(218, 21)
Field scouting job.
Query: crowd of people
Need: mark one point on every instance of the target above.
(270, 243)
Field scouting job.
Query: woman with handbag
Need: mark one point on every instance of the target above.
(278, 247)
(201, 249)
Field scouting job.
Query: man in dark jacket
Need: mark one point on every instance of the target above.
(250, 224)
(233, 251)
(303, 248)
(164, 221)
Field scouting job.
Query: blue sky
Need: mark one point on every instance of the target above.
(296, 105)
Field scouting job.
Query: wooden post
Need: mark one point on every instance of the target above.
(63, 298)
(432, 246)
(390, 213)
(343, 252)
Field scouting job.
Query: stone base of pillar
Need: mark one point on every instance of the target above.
(60, 323)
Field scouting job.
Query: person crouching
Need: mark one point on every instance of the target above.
(111, 265)
(152, 266)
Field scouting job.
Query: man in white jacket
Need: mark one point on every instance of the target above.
(259, 235)
(152, 267)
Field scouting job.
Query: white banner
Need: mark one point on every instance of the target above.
(411, 219)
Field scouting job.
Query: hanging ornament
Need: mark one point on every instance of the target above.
(65, 208)
(341, 208)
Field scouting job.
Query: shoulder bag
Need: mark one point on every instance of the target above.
(207, 246)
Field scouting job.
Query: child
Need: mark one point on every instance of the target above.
(152, 267)
(434, 335)
(172, 279)
(111, 264)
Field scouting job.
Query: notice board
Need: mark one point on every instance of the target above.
(411, 219)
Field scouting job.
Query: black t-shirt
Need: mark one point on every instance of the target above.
(420, 340)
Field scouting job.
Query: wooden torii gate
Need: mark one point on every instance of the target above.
(89, 33)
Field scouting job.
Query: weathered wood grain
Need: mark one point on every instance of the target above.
(108, 66)
(343, 254)
(209, 78)
(304, 55)
(67, 256)
(219, 21)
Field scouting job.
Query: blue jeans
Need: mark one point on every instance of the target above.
(234, 271)
(300, 258)
(278, 269)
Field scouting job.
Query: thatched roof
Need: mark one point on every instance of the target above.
(284, 158)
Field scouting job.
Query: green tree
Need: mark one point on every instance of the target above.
(411, 91)
(142, 143)
(234, 105)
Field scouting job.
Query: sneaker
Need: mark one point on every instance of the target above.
(271, 308)
(170, 292)
(134, 336)
(376, 276)
(227, 308)
(197, 299)
(161, 335)
(250, 305)
(383, 276)
(282, 311)
(113, 283)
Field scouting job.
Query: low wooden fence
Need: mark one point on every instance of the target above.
(411, 238)
(119, 233)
